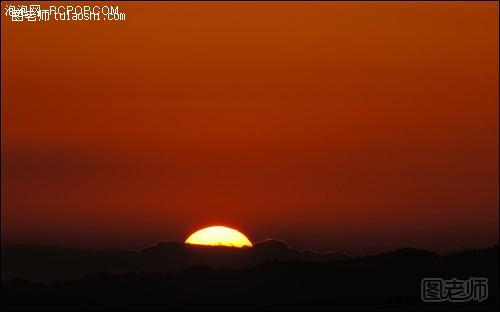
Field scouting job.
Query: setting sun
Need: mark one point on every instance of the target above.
(219, 236)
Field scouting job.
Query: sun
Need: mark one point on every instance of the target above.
(219, 236)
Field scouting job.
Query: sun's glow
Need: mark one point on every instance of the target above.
(219, 236)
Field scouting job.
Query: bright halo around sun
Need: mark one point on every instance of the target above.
(219, 236)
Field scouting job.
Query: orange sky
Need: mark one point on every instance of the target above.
(348, 126)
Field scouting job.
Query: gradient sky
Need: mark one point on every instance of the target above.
(357, 127)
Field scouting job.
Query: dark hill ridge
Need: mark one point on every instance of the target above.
(386, 281)
(44, 264)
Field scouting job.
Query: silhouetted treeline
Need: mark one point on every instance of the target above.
(46, 264)
(386, 281)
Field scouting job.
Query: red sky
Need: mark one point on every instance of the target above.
(347, 126)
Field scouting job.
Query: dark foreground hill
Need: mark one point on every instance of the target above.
(47, 264)
(386, 281)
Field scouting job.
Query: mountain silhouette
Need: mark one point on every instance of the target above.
(45, 264)
(284, 280)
